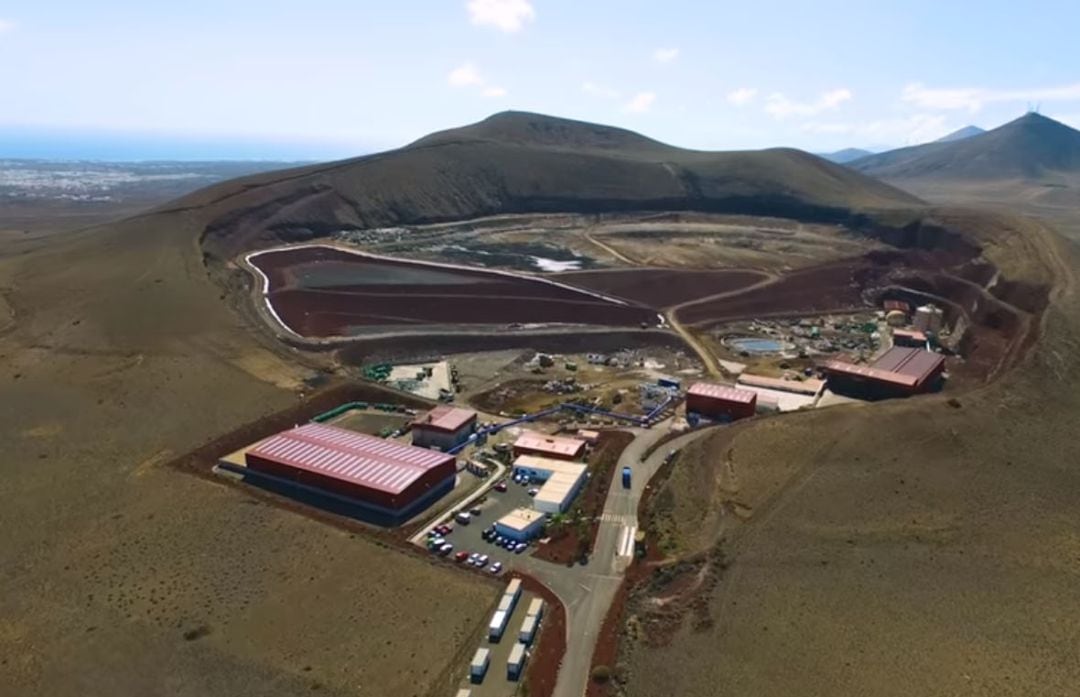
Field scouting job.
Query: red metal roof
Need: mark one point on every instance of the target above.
(558, 445)
(349, 456)
(864, 371)
(728, 394)
(445, 418)
(914, 335)
(915, 362)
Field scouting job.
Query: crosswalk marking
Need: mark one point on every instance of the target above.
(618, 518)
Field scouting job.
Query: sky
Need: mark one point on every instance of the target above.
(319, 79)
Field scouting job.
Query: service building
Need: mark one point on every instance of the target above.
(720, 402)
(561, 481)
(443, 427)
(558, 447)
(521, 524)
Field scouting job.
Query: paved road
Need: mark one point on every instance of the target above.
(588, 591)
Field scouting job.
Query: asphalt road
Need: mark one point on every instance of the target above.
(588, 591)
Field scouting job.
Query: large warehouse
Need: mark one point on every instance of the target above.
(391, 480)
(443, 427)
(899, 372)
(720, 401)
(562, 481)
(559, 447)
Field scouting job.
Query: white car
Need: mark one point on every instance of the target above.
(496, 567)
(473, 557)
(482, 560)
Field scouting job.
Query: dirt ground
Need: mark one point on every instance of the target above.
(124, 576)
(926, 546)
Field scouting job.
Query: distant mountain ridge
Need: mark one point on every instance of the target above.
(961, 133)
(1031, 147)
(842, 157)
(518, 162)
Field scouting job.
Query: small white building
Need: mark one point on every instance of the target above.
(561, 481)
(520, 524)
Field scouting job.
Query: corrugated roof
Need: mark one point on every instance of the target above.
(559, 445)
(808, 386)
(870, 373)
(445, 418)
(914, 362)
(349, 456)
(724, 392)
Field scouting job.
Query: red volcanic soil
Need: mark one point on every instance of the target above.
(806, 291)
(661, 288)
(322, 292)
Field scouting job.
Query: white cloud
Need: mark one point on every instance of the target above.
(464, 75)
(505, 15)
(6, 25)
(780, 107)
(599, 90)
(973, 99)
(741, 96)
(641, 102)
(665, 55)
(917, 128)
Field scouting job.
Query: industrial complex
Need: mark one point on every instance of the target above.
(385, 477)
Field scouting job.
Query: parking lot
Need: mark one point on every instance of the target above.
(469, 538)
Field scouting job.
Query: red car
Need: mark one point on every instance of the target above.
(501, 486)
(461, 556)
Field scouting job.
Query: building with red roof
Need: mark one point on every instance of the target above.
(558, 447)
(443, 427)
(899, 372)
(392, 480)
(720, 401)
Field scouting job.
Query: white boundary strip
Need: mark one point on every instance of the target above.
(381, 257)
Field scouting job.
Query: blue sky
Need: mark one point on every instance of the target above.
(328, 78)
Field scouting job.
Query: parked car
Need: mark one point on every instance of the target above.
(501, 486)
(475, 511)
(463, 517)
(461, 556)
(437, 542)
(483, 559)
(499, 539)
(496, 568)
(534, 491)
(509, 544)
(520, 547)
(446, 549)
(473, 557)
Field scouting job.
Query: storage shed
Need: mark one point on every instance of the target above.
(720, 402)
